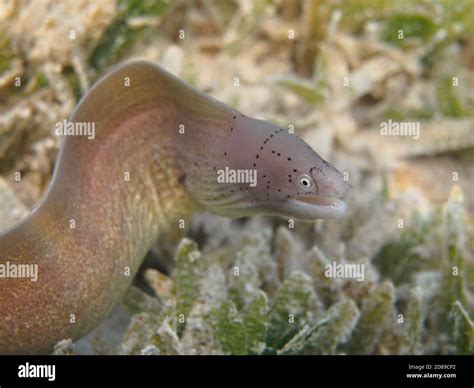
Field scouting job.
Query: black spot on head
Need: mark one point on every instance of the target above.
(261, 148)
(279, 190)
(255, 164)
(235, 117)
(289, 159)
(279, 154)
(256, 156)
(225, 153)
(273, 151)
(182, 179)
(295, 170)
(231, 129)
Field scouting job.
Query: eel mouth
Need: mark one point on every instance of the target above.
(311, 207)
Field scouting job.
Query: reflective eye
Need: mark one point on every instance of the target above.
(305, 182)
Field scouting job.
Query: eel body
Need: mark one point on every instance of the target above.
(159, 149)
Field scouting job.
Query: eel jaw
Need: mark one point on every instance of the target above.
(311, 207)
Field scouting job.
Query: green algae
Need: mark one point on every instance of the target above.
(256, 323)
(120, 36)
(375, 314)
(462, 329)
(412, 323)
(449, 103)
(334, 328)
(230, 329)
(6, 54)
(188, 277)
(411, 26)
(292, 305)
(310, 313)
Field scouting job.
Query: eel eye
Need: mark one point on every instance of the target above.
(305, 182)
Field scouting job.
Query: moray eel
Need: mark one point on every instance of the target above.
(159, 145)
